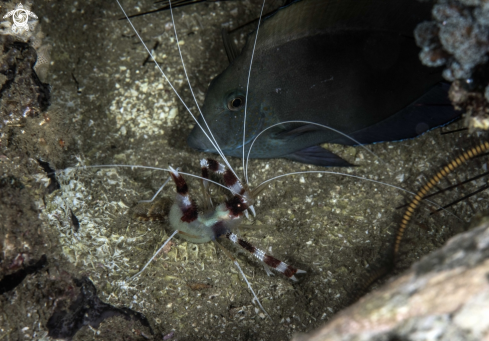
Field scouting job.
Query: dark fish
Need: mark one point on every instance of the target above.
(349, 64)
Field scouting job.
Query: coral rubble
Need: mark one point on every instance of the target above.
(458, 39)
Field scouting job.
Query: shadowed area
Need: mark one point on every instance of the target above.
(10, 282)
(87, 309)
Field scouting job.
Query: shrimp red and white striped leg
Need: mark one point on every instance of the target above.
(223, 219)
(230, 180)
(210, 225)
(276, 264)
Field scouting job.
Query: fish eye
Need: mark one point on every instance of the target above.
(236, 103)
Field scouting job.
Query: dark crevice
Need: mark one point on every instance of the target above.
(10, 74)
(51, 174)
(87, 309)
(44, 92)
(74, 221)
(17, 65)
(10, 282)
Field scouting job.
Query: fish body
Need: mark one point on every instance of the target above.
(349, 64)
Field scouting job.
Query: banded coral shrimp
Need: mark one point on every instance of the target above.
(330, 226)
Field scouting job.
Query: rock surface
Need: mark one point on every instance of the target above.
(444, 296)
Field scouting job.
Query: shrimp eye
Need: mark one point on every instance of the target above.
(236, 103)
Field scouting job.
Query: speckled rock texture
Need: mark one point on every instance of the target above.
(444, 296)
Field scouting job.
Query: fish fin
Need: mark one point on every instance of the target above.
(303, 18)
(430, 111)
(229, 46)
(316, 155)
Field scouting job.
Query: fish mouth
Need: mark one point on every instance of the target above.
(203, 145)
(199, 142)
(199, 145)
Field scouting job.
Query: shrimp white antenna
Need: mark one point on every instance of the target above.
(158, 192)
(156, 253)
(247, 88)
(251, 289)
(152, 168)
(171, 85)
(215, 144)
(307, 122)
(359, 178)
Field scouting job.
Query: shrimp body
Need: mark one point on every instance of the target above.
(205, 225)
(221, 221)
(215, 222)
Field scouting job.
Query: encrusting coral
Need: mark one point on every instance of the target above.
(458, 39)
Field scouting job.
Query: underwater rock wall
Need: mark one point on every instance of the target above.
(444, 296)
(28, 126)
